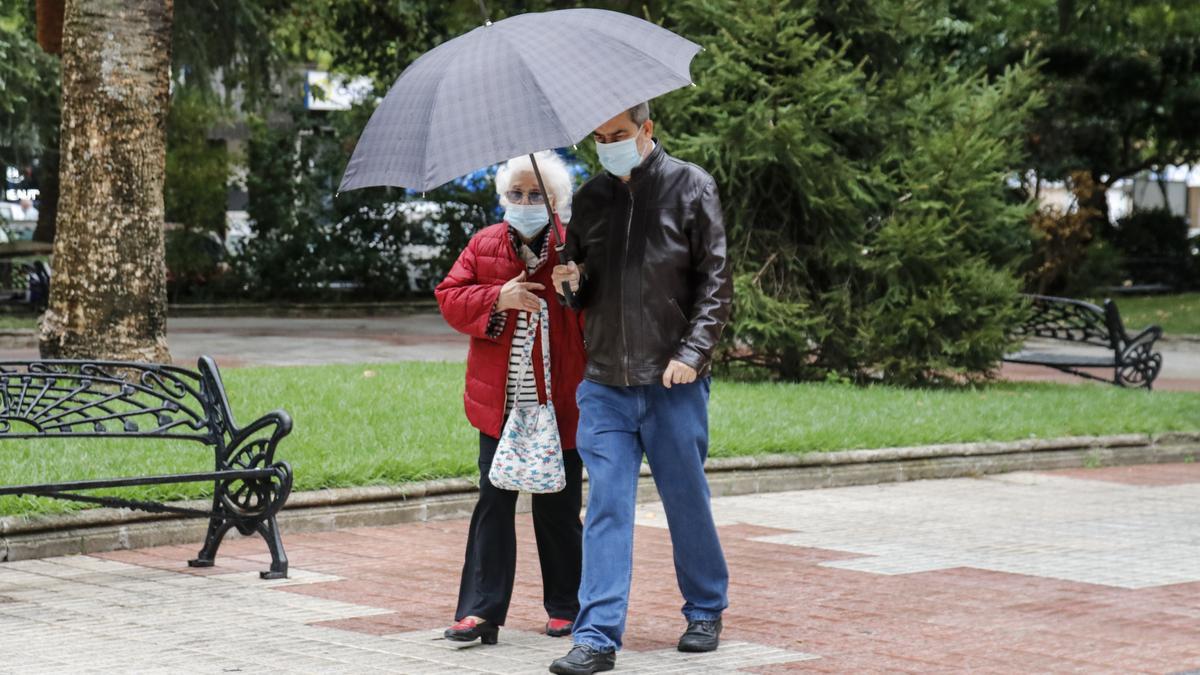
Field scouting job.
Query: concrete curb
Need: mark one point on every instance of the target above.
(97, 530)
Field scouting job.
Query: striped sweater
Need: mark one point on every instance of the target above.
(528, 388)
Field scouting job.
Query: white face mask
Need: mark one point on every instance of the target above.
(527, 219)
(620, 158)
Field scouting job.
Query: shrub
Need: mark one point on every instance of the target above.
(379, 243)
(1155, 248)
(864, 185)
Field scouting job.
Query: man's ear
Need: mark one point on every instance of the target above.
(645, 146)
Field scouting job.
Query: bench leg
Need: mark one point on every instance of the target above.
(217, 527)
(263, 522)
(269, 530)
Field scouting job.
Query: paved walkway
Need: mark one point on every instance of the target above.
(424, 336)
(236, 341)
(273, 341)
(1180, 371)
(1074, 571)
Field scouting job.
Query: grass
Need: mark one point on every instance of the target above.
(18, 321)
(1177, 314)
(387, 424)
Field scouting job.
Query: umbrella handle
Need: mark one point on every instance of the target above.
(560, 246)
(567, 293)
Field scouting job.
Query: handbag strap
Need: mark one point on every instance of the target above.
(543, 318)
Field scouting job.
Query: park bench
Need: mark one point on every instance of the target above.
(1133, 361)
(139, 401)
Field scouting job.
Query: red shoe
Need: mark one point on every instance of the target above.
(559, 627)
(468, 630)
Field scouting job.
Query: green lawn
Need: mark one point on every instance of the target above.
(386, 424)
(18, 321)
(1177, 314)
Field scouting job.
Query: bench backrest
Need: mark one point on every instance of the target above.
(109, 398)
(1074, 321)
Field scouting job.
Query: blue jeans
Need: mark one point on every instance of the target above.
(617, 425)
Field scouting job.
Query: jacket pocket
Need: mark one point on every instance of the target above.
(678, 327)
(679, 312)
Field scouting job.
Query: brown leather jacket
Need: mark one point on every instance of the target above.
(656, 283)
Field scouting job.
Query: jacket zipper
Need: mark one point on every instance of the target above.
(624, 267)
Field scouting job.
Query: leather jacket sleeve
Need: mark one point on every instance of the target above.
(714, 282)
(587, 212)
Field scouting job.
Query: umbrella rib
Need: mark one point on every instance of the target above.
(636, 49)
(425, 172)
(566, 135)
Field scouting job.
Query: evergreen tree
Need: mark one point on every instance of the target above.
(864, 184)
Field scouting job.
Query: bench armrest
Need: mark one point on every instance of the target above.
(260, 437)
(1138, 364)
(1148, 337)
(253, 447)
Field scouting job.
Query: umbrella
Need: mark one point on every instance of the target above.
(512, 87)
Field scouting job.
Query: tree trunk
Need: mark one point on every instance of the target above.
(108, 284)
(1095, 200)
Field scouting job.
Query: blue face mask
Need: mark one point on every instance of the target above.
(527, 219)
(621, 157)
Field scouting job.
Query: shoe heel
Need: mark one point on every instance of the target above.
(489, 635)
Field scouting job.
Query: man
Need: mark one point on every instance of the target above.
(647, 241)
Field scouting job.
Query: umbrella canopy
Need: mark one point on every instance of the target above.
(516, 86)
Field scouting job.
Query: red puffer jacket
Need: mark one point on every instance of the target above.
(466, 298)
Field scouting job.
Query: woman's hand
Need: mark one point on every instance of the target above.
(516, 293)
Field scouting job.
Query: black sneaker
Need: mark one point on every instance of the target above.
(583, 660)
(701, 636)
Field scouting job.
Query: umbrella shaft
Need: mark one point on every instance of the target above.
(546, 200)
(559, 246)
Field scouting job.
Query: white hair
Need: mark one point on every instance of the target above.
(555, 176)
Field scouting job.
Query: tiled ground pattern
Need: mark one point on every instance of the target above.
(1075, 571)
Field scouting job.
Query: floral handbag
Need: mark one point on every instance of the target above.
(529, 456)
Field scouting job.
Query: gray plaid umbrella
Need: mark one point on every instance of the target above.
(527, 83)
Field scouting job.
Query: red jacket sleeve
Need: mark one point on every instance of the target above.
(466, 303)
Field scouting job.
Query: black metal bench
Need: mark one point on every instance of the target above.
(79, 399)
(1133, 360)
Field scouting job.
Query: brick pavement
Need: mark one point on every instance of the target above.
(1072, 571)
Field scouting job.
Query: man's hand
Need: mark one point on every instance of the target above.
(678, 372)
(516, 293)
(568, 273)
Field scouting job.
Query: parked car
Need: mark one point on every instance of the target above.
(16, 223)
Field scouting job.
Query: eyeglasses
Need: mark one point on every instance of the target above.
(516, 197)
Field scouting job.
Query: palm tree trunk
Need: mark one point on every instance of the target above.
(108, 285)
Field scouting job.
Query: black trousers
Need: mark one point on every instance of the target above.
(491, 559)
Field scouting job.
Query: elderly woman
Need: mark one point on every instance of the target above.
(490, 293)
